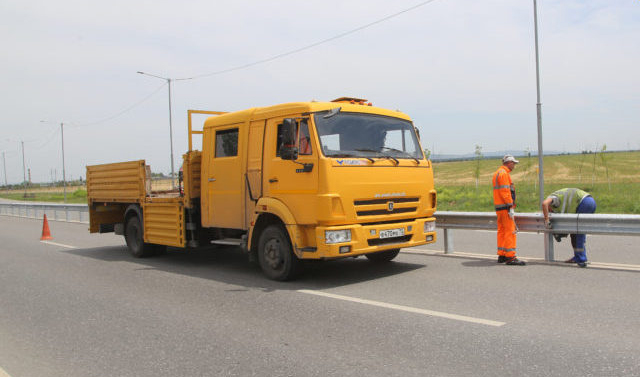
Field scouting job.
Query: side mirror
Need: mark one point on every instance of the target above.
(288, 149)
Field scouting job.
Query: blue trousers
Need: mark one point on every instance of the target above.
(578, 241)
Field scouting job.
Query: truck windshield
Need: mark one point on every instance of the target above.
(366, 135)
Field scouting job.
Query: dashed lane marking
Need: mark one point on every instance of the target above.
(409, 309)
(58, 244)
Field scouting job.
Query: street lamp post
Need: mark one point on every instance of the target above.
(168, 80)
(64, 179)
(548, 241)
(4, 163)
(24, 171)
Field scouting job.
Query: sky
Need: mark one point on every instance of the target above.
(464, 70)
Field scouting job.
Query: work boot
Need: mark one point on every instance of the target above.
(582, 264)
(502, 259)
(570, 260)
(515, 262)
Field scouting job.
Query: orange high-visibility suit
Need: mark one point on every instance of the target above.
(504, 198)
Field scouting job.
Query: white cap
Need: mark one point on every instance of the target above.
(509, 158)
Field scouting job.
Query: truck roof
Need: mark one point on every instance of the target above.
(285, 109)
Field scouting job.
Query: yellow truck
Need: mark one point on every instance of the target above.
(286, 183)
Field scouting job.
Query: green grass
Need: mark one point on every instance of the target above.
(620, 193)
(457, 190)
(78, 196)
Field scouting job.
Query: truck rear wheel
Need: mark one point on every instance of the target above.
(383, 256)
(133, 234)
(275, 254)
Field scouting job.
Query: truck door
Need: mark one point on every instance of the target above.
(285, 180)
(224, 181)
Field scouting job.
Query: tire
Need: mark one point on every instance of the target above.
(133, 235)
(383, 256)
(275, 254)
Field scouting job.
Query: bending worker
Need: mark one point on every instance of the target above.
(571, 200)
(504, 199)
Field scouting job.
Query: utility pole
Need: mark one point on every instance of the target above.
(24, 171)
(4, 162)
(64, 181)
(169, 80)
(171, 137)
(548, 241)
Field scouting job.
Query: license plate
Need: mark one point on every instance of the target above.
(392, 233)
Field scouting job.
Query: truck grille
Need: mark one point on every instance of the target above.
(376, 207)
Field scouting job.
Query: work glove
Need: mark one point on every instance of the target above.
(547, 224)
(512, 213)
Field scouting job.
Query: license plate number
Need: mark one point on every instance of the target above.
(392, 233)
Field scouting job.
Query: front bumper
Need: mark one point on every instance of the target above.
(365, 239)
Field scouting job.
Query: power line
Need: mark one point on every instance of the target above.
(121, 112)
(49, 138)
(244, 66)
(266, 60)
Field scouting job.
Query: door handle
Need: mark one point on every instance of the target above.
(273, 180)
(212, 179)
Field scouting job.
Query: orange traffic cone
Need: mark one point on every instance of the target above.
(46, 234)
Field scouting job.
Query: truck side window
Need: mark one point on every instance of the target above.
(304, 140)
(227, 143)
(279, 140)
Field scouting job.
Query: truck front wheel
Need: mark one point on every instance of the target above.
(383, 256)
(133, 235)
(275, 254)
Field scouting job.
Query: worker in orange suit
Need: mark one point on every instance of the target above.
(504, 200)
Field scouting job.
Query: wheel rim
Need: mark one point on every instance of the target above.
(273, 254)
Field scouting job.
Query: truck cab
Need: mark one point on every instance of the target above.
(338, 179)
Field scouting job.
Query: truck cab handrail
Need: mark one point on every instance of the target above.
(191, 131)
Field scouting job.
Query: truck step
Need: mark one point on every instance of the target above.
(228, 241)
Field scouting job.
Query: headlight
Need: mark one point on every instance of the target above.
(337, 236)
(429, 226)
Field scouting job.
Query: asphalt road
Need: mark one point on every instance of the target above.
(84, 307)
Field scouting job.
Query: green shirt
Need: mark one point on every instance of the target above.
(567, 200)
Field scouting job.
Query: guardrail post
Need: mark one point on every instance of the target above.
(448, 240)
(548, 247)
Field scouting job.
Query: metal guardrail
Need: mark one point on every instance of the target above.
(603, 224)
(77, 213)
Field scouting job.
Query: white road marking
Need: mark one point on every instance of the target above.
(59, 244)
(3, 373)
(405, 308)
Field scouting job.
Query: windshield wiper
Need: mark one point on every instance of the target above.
(378, 155)
(391, 158)
(351, 155)
(405, 154)
(369, 158)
